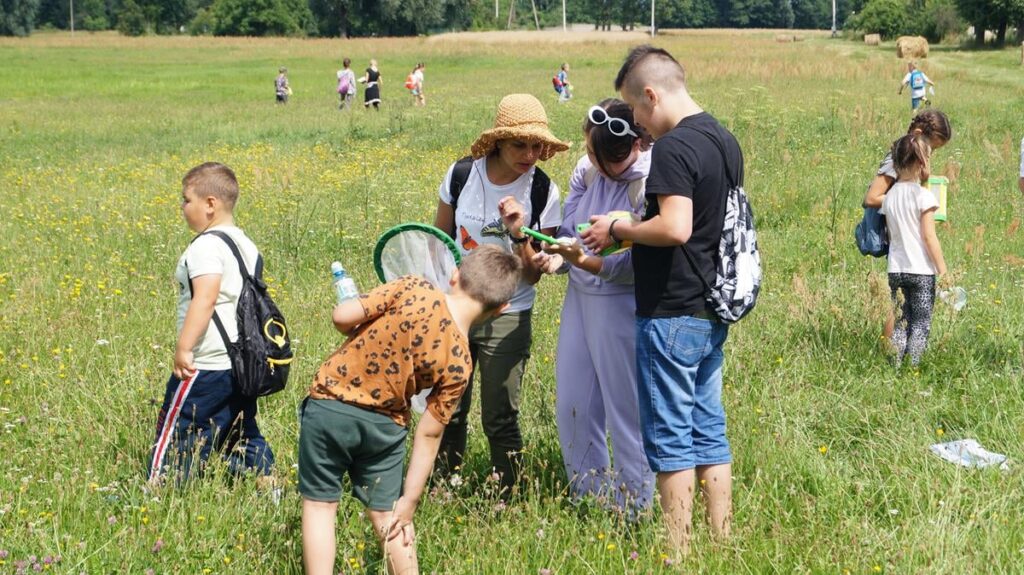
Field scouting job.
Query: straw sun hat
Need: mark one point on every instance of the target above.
(520, 117)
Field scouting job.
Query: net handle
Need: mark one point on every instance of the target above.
(412, 226)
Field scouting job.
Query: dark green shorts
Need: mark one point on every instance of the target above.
(338, 438)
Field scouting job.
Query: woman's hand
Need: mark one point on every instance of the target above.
(513, 215)
(567, 249)
(548, 263)
(598, 237)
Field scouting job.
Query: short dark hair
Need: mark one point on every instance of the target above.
(346, 62)
(646, 65)
(212, 179)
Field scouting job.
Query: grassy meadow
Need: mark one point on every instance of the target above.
(832, 469)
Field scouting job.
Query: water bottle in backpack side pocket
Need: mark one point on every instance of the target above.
(344, 286)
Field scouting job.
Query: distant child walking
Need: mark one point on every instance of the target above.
(202, 409)
(346, 85)
(918, 83)
(414, 83)
(915, 256)
(372, 79)
(562, 84)
(403, 337)
(281, 87)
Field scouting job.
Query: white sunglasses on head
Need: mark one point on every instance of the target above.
(617, 126)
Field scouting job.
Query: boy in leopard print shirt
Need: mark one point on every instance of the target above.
(404, 336)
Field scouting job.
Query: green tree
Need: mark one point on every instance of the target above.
(94, 15)
(131, 20)
(686, 13)
(17, 17)
(886, 17)
(262, 18)
(936, 19)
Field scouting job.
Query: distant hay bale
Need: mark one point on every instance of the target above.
(911, 47)
(872, 39)
(783, 37)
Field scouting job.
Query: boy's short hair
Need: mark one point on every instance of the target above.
(212, 179)
(490, 276)
(649, 66)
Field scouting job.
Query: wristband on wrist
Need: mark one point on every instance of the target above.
(611, 230)
(519, 241)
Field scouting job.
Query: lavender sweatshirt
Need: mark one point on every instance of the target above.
(603, 196)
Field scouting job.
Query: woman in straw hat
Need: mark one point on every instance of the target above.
(485, 199)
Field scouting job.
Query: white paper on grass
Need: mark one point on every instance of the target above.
(969, 453)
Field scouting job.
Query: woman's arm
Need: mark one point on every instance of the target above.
(444, 219)
(876, 191)
(931, 241)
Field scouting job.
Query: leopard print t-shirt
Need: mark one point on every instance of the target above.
(408, 342)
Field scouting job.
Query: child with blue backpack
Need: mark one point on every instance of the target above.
(915, 255)
(918, 83)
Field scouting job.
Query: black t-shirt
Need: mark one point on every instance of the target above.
(686, 162)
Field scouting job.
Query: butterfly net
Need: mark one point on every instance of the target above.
(417, 250)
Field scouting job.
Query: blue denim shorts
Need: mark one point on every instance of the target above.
(679, 384)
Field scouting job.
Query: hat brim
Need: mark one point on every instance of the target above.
(484, 145)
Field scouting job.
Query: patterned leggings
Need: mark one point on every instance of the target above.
(914, 320)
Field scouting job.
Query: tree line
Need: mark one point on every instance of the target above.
(934, 19)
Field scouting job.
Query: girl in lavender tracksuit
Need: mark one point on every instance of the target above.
(596, 368)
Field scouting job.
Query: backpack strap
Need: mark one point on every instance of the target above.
(734, 181)
(540, 190)
(246, 276)
(634, 191)
(732, 184)
(460, 175)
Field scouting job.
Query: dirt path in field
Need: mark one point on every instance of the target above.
(576, 33)
(586, 33)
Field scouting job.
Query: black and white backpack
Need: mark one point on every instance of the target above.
(738, 265)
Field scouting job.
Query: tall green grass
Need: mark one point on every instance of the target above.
(832, 469)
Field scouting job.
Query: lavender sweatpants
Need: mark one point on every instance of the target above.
(597, 396)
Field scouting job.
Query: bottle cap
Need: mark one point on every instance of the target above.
(336, 268)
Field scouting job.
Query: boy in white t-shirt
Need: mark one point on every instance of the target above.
(201, 409)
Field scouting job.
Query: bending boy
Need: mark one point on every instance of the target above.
(404, 336)
(679, 338)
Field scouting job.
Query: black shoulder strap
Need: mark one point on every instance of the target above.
(732, 184)
(460, 175)
(539, 192)
(733, 180)
(241, 268)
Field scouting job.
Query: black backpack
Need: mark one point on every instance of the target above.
(538, 191)
(262, 356)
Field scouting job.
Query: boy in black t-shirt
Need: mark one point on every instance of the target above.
(679, 338)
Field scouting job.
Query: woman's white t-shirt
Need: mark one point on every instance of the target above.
(207, 255)
(478, 222)
(902, 207)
